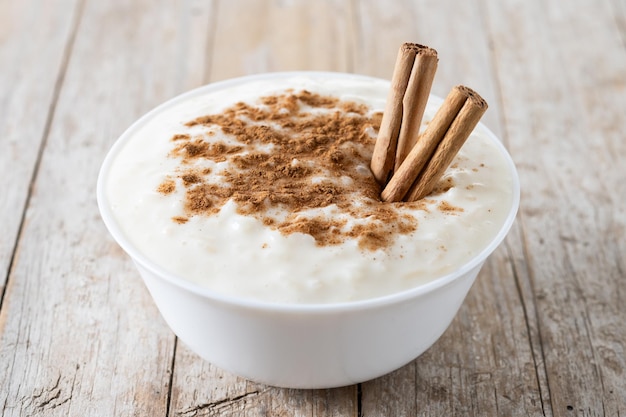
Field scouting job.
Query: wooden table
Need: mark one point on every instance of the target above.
(543, 330)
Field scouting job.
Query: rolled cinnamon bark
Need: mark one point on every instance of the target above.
(383, 157)
(461, 127)
(404, 177)
(414, 101)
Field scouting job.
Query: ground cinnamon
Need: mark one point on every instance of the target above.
(282, 155)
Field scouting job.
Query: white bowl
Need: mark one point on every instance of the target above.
(303, 346)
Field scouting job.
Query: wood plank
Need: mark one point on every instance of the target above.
(79, 334)
(484, 363)
(567, 101)
(201, 389)
(256, 37)
(282, 35)
(33, 38)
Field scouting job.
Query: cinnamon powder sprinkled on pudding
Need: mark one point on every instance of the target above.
(283, 153)
(446, 207)
(273, 200)
(167, 187)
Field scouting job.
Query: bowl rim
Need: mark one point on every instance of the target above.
(260, 305)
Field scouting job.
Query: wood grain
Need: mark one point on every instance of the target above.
(78, 330)
(282, 35)
(200, 389)
(35, 42)
(563, 100)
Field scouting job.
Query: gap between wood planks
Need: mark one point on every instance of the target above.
(530, 311)
(67, 53)
(168, 401)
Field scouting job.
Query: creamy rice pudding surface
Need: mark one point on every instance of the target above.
(263, 191)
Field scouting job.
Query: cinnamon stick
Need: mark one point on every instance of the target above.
(414, 101)
(416, 160)
(462, 125)
(383, 158)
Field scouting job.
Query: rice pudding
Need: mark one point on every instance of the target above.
(263, 191)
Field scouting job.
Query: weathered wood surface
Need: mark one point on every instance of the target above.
(34, 48)
(543, 330)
